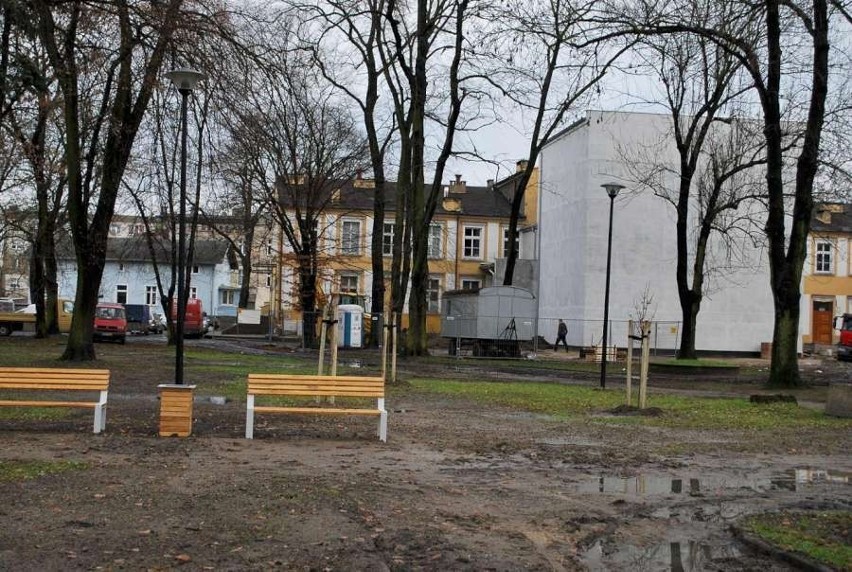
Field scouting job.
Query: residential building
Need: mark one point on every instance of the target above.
(827, 275)
(737, 311)
(129, 276)
(468, 234)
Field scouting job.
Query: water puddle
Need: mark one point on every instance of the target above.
(676, 556)
(647, 485)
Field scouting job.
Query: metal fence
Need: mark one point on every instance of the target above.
(509, 337)
(501, 336)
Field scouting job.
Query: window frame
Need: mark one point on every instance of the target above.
(350, 245)
(433, 306)
(388, 238)
(823, 257)
(479, 246)
(119, 290)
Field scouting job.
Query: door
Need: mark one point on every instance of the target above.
(822, 317)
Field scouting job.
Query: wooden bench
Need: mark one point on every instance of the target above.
(57, 380)
(262, 384)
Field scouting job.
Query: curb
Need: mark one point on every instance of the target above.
(798, 560)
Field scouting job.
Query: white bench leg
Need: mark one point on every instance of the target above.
(383, 421)
(250, 416)
(100, 413)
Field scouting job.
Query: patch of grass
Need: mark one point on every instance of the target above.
(697, 363)
(35, 413)
(25, 470)
(821, 536)
(678, 411)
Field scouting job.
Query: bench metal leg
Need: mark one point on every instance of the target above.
(250, 417)
(100, 413)
(383, 421)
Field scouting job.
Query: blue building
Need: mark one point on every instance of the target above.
(130, 275)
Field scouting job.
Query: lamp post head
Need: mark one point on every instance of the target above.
(185, 79)
(612, 189)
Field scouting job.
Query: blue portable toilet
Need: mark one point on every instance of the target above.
(350, 321)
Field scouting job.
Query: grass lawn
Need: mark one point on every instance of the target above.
(822, 536)
(25, 470)
(678, 411)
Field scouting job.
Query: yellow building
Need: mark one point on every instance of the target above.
(827, 275)
(468, 234)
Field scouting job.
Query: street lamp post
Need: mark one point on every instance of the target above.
(612, 191)
(185, 80)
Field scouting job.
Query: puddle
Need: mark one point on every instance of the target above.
(675, 556)
(643, 485)
(563, 441)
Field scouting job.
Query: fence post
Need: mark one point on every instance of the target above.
(629, 380)
(643, 375)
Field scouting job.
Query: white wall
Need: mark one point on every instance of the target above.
(736, 314)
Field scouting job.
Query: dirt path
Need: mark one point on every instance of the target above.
(459, 486)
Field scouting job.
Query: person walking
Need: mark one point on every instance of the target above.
(561, 333)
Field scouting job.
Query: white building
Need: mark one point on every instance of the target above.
(736, 313)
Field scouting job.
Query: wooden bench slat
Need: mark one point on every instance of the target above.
(319, 410)
(315, 391)
(16, 402)
(54, 386)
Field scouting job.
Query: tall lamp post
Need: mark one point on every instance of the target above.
(185, 80)
(612, 191)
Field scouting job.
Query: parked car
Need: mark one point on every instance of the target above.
(110, 322)
(157, 324)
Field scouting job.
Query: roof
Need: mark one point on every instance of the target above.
(832, 217)
(135, 249)
(358, 195)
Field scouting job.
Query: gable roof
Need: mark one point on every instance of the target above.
(135, 249)
(358, 195)
(832, 217)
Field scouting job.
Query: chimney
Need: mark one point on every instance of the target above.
(521, 165)
(458, 186)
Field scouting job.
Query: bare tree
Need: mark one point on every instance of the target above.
(107, 78)
(544, 58)
(360, 24)
(796, 84)
(699, 81)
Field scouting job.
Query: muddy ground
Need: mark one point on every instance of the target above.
(458, 485)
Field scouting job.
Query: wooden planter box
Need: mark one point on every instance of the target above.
(175, 410)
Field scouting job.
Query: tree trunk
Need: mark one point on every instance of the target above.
(784, 371)
(80, 345)
(689, 311)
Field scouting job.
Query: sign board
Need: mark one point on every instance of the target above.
(248, 316)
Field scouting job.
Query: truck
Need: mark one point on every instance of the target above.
(14, 321)
(489, 322)
(844, 346)
(194, 323)
(110, 322)
(139, 319)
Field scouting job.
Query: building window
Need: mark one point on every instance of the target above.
(121, 293)
(506, 242)
(471, 284)
(351, 237)
(436, 240)
(193, 293)
(268, 247)
(151, 295)
(14, 284)
(349, 283)
(824, 263)
(387, 239)
(195, 269)
(433, 295)
(121, 267)
(227, 297)
(268, 279)
(472, 242)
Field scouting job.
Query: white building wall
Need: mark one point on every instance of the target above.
(736, 314)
